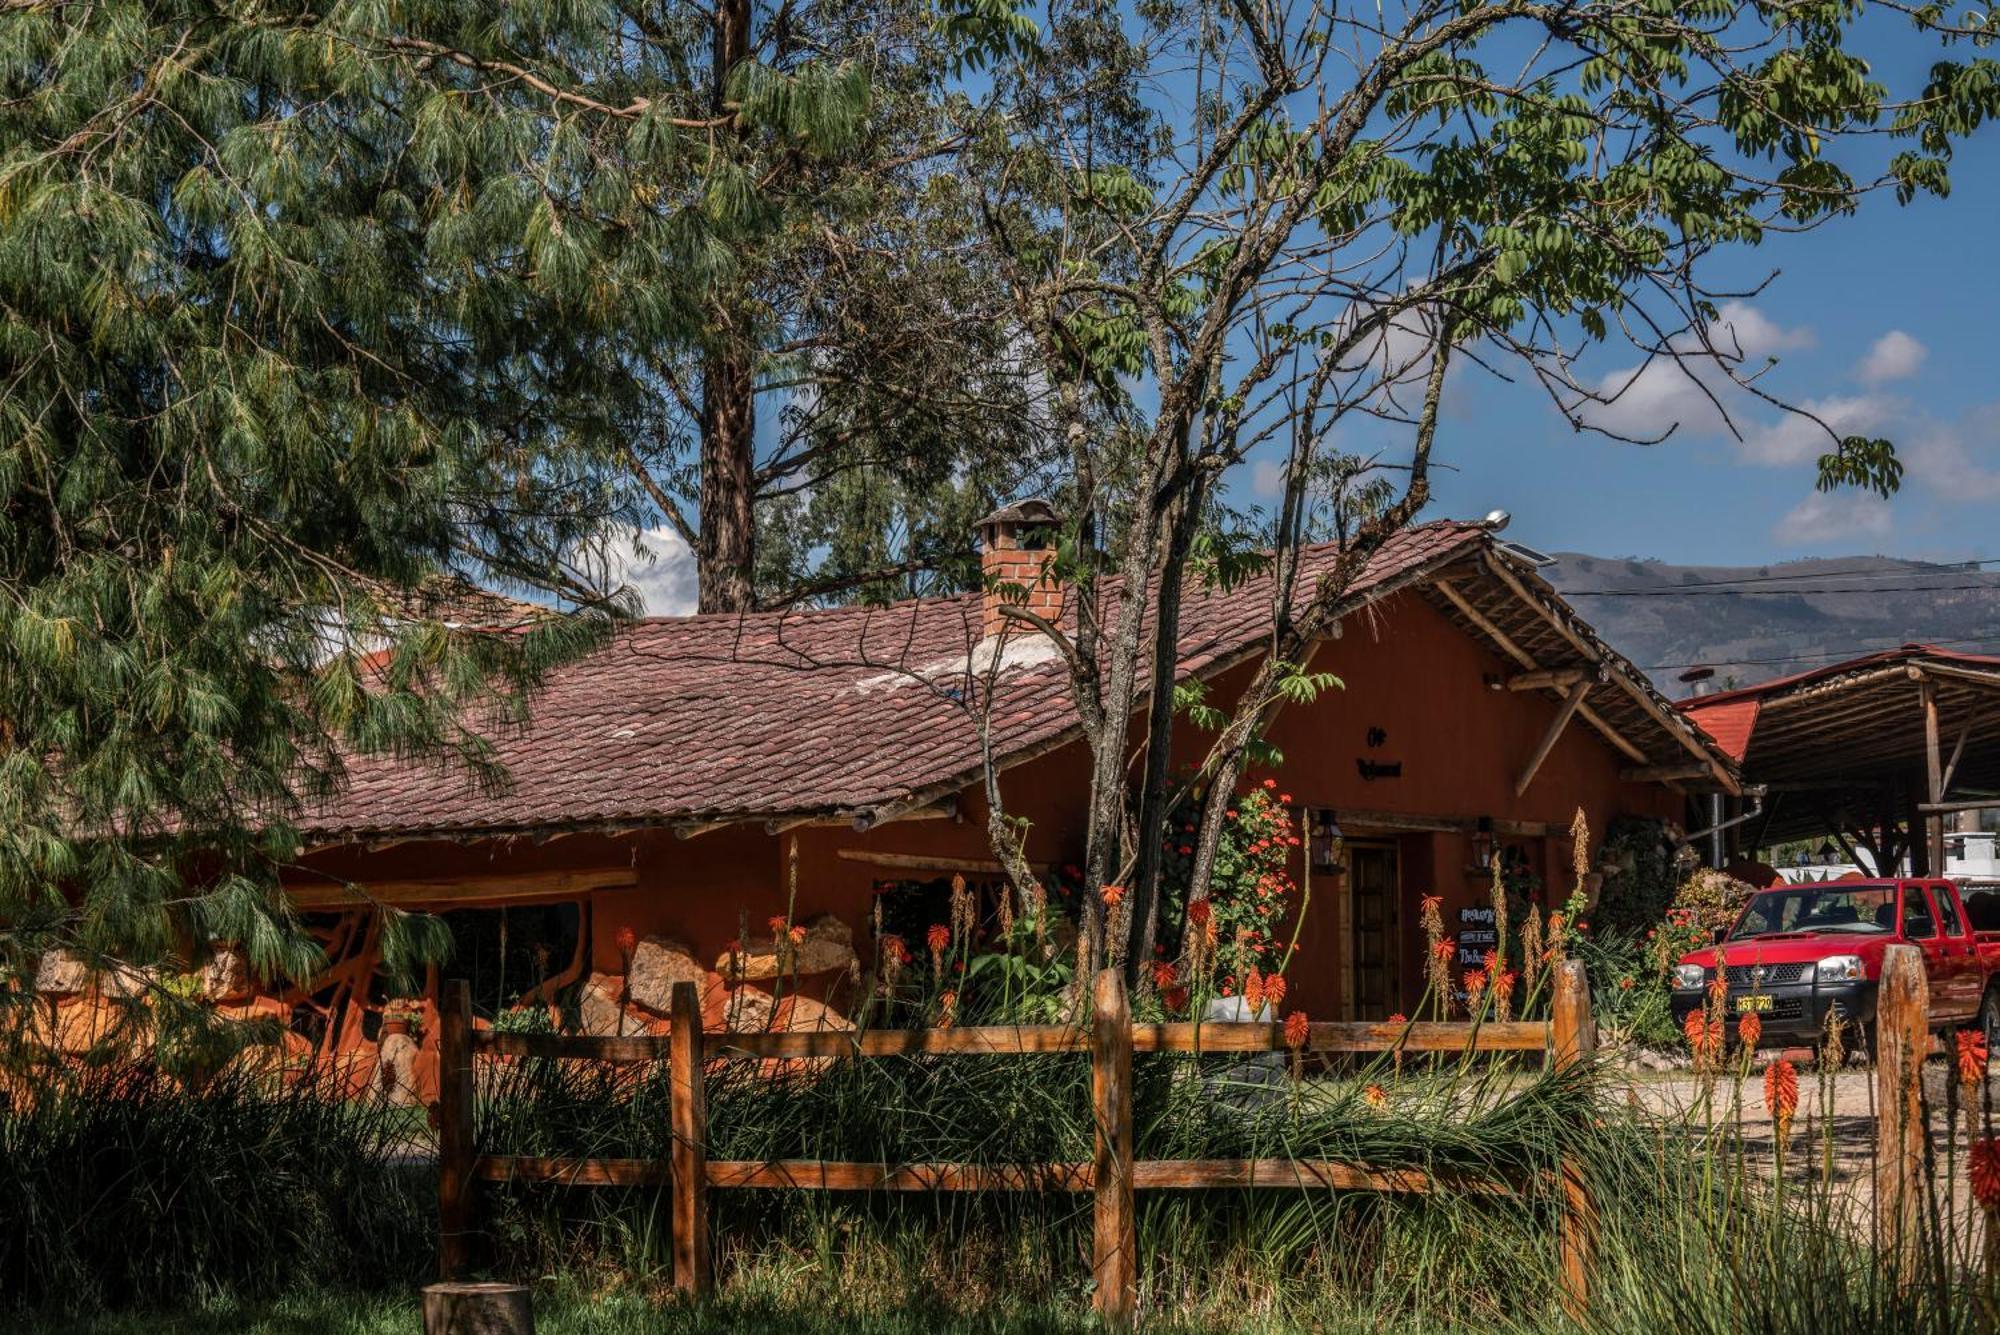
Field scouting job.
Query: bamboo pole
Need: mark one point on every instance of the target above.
(1575, 1037)
(689, 1111)
(1902, 1037)
(1115, 1243)
(455, 1149)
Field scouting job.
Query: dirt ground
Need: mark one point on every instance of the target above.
(1849, 1114)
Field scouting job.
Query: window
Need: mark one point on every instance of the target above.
(1948, 912)
(1917, 922)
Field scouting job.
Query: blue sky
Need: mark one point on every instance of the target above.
(1887, 321)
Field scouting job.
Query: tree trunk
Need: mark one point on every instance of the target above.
(1155, 790)
(726, 556)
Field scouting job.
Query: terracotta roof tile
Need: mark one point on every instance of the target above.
(776, 714)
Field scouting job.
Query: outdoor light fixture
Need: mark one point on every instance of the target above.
(1482, 844)
(1326, 837)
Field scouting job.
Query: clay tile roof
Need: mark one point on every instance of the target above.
(785, 714)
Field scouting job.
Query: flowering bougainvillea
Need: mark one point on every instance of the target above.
(1251, 888)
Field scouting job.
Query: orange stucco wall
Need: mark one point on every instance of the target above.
(1407, 672)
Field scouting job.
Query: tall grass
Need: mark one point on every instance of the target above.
(121, 1187)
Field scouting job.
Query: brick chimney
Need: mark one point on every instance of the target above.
(1015, 544)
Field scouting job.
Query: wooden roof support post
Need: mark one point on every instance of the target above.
(1933, 777)
(1571, 703)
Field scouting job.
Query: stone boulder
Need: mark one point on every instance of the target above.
(657, 964)
(227, 976)
(599, 1008)
(799, 1014)
(64, 973)
(828, 947)
(396, 1070)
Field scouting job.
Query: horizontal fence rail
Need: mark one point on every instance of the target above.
(1111, 1039)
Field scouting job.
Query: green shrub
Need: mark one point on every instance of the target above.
(119, 1187)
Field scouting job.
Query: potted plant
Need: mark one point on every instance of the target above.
(402, 1017)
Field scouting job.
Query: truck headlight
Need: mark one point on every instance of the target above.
(1689, 977)
(1840, 969)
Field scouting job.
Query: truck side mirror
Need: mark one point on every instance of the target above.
(1716, 934)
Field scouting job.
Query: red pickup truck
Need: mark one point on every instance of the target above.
(1798, 951)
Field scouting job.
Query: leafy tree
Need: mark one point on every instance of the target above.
(1225, 224)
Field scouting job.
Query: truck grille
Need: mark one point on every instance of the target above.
(1741, 975)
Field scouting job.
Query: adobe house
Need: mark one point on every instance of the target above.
(665, 780)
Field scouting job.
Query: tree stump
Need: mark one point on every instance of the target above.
(478, 1309)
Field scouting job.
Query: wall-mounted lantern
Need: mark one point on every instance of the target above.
(1325, 840)
(1482, 844)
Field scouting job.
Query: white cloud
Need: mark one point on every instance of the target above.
(1793, 438)
(1267, 479)
(1958, 460)
(1691, 392)
(659, 566)
(1836, 518)
(1894, 356)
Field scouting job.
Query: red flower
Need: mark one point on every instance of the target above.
(1284, 799)
(1274, 990)
(1982, 1165)
(1971, 1056)
(1297, 1030)
(1176, 998)
(1475, 985)
(1375, 1096)
(1185, 850)
(1748, 1030)
(1625, 983)
(1253, 990)
(777, 926)
(798, 936)
(1229, 815)
(1163, 974)
(938, 938)
(1399, 1018)
(1198, 912)
(1503, 984)
(1781, 1090)
(1443, 950)
(1114, 893)
(1695, 1027)
(891, 947)
(1270, 783)
(628, 940)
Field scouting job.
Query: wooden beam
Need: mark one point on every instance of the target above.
(1527, 660)
(1678, 728)
(1560, 679)
(1933, 778)
(1965, 804)
(1951, 766)
(1571, 703)
(927, 862)
(1663, 773)
(463, 890)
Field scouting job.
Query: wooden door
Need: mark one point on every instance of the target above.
(1377, 947)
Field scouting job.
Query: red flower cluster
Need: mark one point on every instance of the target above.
(1748, 1030)
(938, 938)
(1163, 974)
(1297, 1029)
(1982, 1166)
(1971, 1057)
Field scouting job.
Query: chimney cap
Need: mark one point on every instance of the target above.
(1033, 510)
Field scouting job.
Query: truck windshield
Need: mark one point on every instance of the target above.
(1819, 908)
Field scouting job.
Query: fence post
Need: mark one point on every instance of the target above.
(1575, 1037)
(1115, 1240)
(1902, 1038)
(690, 1124)
(456, 1093)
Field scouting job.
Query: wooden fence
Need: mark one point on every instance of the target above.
(1112, 1176)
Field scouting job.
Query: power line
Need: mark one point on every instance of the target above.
(1941, 571)
(1778, 593)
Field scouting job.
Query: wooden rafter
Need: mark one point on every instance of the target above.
(1679, 729)
(1506, 644)
(1572, 702)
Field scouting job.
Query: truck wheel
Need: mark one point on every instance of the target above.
(1988, 1022)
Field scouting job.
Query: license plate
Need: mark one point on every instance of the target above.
(1756, 1003)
